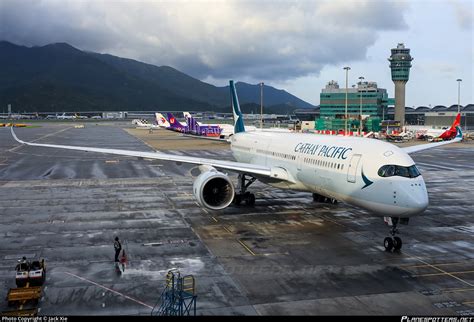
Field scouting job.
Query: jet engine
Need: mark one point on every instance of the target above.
(213, 189)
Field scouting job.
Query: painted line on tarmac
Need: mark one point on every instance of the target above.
(109, 289)
(439, 274)
(454, 290)
(51, 134)
(442, 264)
(440, 270)
(246, 247)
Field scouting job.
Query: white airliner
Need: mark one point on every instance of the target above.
(65, 117)
(144, 123)
(374, 175)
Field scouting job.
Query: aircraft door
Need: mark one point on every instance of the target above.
(352, 169)
(299, 162)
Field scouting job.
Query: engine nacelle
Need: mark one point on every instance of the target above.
(213, 190)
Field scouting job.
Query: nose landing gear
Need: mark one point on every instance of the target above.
(393, 242)
(320, 198)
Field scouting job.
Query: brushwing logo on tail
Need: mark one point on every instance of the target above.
(238, 120)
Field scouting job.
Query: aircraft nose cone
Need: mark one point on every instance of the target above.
(420, 202)
(418, 199)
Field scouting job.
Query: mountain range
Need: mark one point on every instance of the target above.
(59, 77)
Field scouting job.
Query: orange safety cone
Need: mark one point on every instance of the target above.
(123, 259)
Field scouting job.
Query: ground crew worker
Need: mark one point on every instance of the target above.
(117, 247)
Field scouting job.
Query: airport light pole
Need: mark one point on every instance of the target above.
(261, 105)
(360, 116)
(347, 68)
(459, 80)
(459, 94)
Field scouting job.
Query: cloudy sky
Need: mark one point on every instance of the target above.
(295, 45)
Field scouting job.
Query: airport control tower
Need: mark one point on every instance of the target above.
(400, 64)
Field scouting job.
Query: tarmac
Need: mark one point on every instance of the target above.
(287, 255)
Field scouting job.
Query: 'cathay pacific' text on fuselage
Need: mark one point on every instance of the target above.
(328, 151)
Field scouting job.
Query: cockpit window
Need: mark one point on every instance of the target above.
(391, 170)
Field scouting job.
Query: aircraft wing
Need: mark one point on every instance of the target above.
(421, 147)
(239, 167)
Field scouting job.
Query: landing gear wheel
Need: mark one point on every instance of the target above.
(242, 195)
(388, 244)
(237, 199)
(397, 243)
(250, 199)
(320, 198)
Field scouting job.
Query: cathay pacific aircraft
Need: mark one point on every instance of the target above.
(374, 175)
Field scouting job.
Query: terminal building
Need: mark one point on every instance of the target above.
(366, 96)
(437, 117)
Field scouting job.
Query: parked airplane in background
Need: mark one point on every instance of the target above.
(205, 130)
(65, 117)
(374, 175)
(442, 134)
(161, 121)
(176, 125)
(228, 129)
(192, 127)
(144, 124)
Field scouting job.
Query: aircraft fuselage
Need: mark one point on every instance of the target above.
(344, 168)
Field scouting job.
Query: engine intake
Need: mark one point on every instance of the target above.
(213, 190)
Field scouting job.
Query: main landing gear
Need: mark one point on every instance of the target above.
(319, 198)
(243, 195)
(393, 242)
